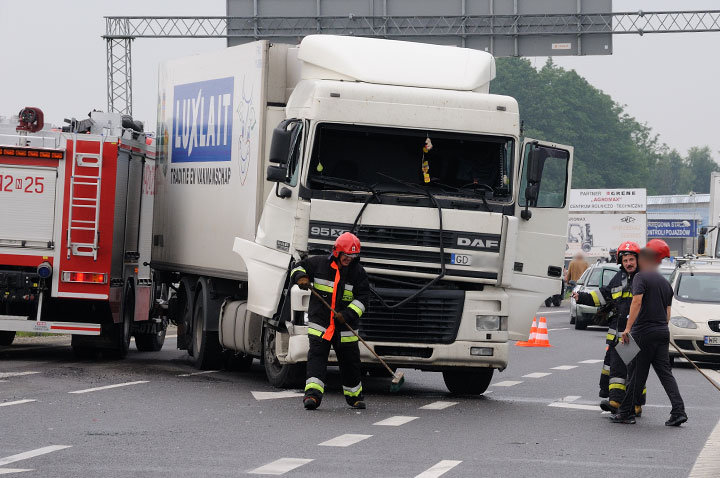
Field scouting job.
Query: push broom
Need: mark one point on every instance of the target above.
(398, 378)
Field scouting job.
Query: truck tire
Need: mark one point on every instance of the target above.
(468, 382)
(237, 362)
(150, 342)
(280, 375)
(122, 332)
(205, 345)
(184, 313)
(7, 337)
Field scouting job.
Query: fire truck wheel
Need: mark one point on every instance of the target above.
(280, 375)
(150, 342)
(6, 338)
(468, 382)
(205, 345)
(123, 331)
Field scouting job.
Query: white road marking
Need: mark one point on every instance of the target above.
(15, 374)
(553, 312)
(106, 387)
(171, 336)
(16, 402)
(7, 471)
(560, 328)
(570, 398)
(395, 421)
(198, 373)
(281, 466)
(591, 361)
(537, 375)
(32, 453)
(564, 367)
(708, 461)
(274, 395)
(345, 440)
(576, 406)
(713, 374)
(506, 383)
(439, 469)
(438, 405)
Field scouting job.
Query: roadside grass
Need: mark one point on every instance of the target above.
(33, 334)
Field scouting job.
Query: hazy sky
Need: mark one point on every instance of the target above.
(52, 56)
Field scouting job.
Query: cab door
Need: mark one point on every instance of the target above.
(542, 212)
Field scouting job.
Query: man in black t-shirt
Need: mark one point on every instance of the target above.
(648, 324)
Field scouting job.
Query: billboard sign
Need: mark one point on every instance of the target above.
(608, 200)
(596, 234)
(671, 228)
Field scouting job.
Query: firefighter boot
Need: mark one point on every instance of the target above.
(610, 406)
(310, 402)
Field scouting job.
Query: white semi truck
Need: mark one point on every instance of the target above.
(709, 243)
(267, 152)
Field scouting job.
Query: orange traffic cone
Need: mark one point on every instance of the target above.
(533, 335)
(542, 340)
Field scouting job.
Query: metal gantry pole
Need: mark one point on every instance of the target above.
(119, 65)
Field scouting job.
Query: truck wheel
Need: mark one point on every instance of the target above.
(280, 375)
(122, 332)
(150, 342)
(205, 345)
(468, 382)
(7, 337)
(184, 313)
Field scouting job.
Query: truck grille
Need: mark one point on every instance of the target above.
(405, 236)
(714, 325)
(432, 318)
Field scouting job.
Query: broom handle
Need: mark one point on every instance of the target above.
(696, 367)
(353, 332)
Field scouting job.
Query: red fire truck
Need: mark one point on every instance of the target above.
(75, 230)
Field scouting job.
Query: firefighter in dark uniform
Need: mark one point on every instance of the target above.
(614, 373)
(343, 283)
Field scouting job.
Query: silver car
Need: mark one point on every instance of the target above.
(596, 276)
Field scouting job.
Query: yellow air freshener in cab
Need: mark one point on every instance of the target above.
(425, 164)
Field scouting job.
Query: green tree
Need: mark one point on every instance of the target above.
(701, 165)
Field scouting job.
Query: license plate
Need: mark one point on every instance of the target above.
(460, 259)
(712, 340)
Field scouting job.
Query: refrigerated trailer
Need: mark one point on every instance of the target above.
(75, 231)
(268, 152)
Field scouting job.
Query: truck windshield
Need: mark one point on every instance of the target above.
(698, 287)
(450, 164)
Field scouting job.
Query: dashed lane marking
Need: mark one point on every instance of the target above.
(559, 328)
(570, 398)
(7, 471)
(16, 402)
(345, 440)
(506, 383)
(576, 406)
(591, 361)
(15, 374)
(564, 367)
(107, 387)
(438, 405)
(537, 375)
(204, 372)
(708, 461)
(395, 421)
(32, 453)
(274, 395)
(281, 466)
(439, 469)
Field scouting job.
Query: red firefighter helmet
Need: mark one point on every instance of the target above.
(627, 247)
(347, 243)
(660, 247)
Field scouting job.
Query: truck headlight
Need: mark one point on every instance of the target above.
(683, 323)
(488, 322)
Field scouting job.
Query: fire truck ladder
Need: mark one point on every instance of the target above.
(93, 162)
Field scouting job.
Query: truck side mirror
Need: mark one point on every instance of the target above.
(284, 138)
(277, 174)
(536, 163)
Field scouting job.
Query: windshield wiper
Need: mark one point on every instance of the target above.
(346, 184)
(475, 190)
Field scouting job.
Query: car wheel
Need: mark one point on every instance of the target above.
(572, 319)
(580, 324)
(548, 302)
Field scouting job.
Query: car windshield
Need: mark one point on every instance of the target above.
(666, 273)
(698, 287)
(450, 164)
(608, 275)
(594, 279)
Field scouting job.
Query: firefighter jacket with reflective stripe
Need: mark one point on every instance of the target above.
(345, 288)
(619, 291)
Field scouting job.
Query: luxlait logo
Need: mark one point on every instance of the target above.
(477, 243)
(202, 121)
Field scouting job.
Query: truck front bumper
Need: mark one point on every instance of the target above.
(418, 356)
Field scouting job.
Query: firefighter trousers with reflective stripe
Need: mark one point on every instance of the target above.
(348, 356)
(619, 379)
(605, 375)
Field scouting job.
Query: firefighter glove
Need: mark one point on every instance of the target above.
(339, 317)
(303, 283)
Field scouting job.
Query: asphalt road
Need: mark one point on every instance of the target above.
(539, 418)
